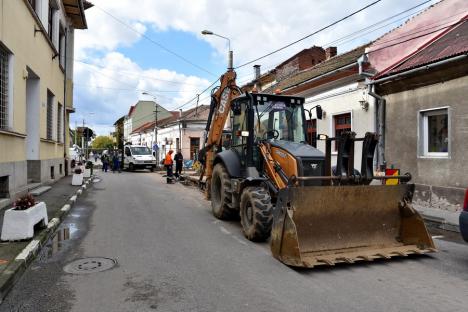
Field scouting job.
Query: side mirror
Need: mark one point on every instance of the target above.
(319, 112)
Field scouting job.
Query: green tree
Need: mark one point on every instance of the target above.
(103, 141)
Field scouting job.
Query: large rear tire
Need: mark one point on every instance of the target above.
(221, 196)
(256, 213)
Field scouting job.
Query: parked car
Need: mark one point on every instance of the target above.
(138, 157)
(464, 218)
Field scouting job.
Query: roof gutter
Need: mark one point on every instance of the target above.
(418, 69)
(349, 66)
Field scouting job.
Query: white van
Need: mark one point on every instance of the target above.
(138, 157)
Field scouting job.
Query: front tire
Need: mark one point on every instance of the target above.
(130, 167)
(221, 196)
(256, 213)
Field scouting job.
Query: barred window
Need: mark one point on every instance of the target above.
(50, 114)
(59, 122)
(4, 55)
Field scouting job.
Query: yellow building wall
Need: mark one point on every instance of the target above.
(12, 148)
(31, 50)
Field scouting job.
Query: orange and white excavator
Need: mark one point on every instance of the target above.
(282, 187)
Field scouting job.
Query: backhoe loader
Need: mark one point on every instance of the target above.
(280, 186)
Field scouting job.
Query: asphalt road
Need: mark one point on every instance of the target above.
(173, 255)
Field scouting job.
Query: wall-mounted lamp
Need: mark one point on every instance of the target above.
(364, 105)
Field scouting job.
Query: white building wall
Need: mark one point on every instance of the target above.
(341, 100)
(193, 130)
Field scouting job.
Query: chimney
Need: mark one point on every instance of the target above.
(256, 71)
(330, 52)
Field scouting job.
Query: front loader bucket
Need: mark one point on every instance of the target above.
(325, 225)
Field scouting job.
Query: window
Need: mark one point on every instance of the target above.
(194, 148)
(312, 132)
(4, 73)
(50, 17)
(342, 123)
(434, 133)
(33, 4)
(59, 122)
(50, 114)
(61, 45)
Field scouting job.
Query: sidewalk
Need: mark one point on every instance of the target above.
(16, 256)
(447, 220)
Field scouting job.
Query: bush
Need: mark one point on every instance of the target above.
(24, 202)
(78, 171)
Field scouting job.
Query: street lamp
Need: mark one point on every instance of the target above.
(209, 32)
(155, 126)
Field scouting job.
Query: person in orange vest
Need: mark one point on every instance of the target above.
(168, 162)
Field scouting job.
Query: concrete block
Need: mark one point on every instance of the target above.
(40, 190)
(19, 224)
(77, 179)
(87, 173)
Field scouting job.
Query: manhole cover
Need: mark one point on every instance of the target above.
(89, 265)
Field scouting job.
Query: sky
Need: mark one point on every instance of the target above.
(156, 47)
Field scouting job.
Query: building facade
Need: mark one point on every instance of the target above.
(427, 118)
(142, 113)
(36, 79)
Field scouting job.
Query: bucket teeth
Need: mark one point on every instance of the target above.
(346, 259)
(382, 255)
(400, 253)
(326, 261)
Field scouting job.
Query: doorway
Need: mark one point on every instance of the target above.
(33, 106)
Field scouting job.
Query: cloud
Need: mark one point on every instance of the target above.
(254, 27)
(107, 87)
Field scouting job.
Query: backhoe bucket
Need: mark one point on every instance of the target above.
(325, 225)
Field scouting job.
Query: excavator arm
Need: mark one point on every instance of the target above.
(219, 112)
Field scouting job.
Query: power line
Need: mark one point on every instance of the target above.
(309, 35)
(153, 41)
(401, 35)
(136, 75)
(420, 36)
(195, 97)
(121, 89)
(340, 40)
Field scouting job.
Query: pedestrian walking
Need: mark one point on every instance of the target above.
(105, 162)
(115, 162)
(179, 160)
(168, 164)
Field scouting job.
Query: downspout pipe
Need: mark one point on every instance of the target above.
(380, 124)
(64, 108)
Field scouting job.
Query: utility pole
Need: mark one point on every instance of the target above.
(156, 131)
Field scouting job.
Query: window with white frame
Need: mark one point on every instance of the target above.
(50, 114)
(4, 83)
(434, 135)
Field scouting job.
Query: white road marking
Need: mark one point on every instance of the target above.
(28, 250)
(438, 236)
(53, 222)
(239, 240)
(65, 208)
(73, 198)
(223, 229)
(216, 221)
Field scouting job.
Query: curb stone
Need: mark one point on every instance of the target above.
(18, 266)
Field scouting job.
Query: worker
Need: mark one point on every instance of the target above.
(179, 159)
(168, 164)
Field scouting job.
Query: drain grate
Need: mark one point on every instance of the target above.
(89, 265)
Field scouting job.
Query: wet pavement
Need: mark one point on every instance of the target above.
(171, 254)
